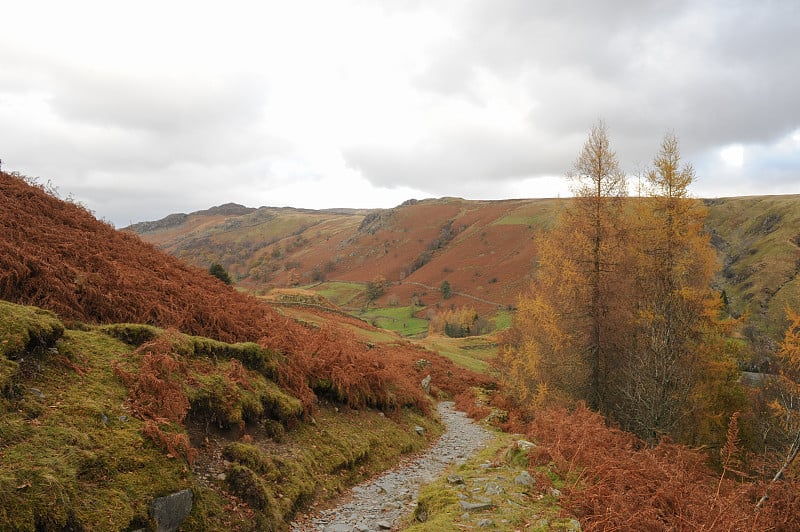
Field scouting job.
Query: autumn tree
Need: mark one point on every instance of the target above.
(785, 406)
(675, 307)
(375, 288)
(572, 323)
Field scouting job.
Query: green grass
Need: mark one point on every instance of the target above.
(503, 320)
(473, 352)
(516, 507)
(340, 293)
(62, 464)
(398, 319)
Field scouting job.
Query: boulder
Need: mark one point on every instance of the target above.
(426, 384)
(170, 511)
(524, 479)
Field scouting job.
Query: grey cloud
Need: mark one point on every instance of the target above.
(714, 73)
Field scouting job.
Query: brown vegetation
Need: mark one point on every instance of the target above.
(618, 482)
(56, 255)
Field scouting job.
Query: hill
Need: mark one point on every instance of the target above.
(127, 375)
(483, 249)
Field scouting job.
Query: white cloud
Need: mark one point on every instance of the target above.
(154, 107)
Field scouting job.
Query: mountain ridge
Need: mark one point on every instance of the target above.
(483, 248)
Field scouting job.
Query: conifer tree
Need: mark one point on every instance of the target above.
(571, 325)
(673, 343)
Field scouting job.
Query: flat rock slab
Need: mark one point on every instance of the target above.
(170, 511)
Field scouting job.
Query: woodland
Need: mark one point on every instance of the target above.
(622, 363)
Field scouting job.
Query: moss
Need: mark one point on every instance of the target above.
(8, 369)
(252, 355)
(131, 333)
(81, 461)
(27, 329)
(74, 455)
(515, 507)
(220, 395)
(253, 458)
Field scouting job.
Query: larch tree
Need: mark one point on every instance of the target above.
(595, 256)
(785, 388)
(675, 308)
(570, 327)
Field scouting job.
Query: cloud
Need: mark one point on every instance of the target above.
(158, 108)
(714, 74)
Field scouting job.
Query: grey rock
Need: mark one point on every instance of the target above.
(525, 445)
(426, 384)
(337, 528)
(384, 525)
(524, 479)
(475, 506)
(493, 489)
(170, 511)
(37, 392)
(485, 523)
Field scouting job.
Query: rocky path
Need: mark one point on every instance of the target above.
(379, 503)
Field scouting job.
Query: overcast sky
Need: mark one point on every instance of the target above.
(142, 109)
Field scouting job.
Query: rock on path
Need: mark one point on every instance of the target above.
(379, 503)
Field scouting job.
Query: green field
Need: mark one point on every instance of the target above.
(473, 352)
(340, 293)
(398, 319)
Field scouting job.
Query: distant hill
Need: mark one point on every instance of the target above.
(484, 249)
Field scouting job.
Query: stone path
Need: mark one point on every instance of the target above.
(379, 503)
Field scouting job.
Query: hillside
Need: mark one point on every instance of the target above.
(483, 249)
(127, 375)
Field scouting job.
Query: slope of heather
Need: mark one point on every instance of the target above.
(484, 249)
(57, 256)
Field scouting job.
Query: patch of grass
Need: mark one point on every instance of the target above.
(72, 454)
(398, 319)
(473, 352)
(341, 294)
(503, 320)
(489, 477)
(26, 329)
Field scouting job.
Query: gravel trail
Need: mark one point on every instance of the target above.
(379, 503)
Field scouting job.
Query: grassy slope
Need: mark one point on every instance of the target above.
(758, 238)
(73, 453)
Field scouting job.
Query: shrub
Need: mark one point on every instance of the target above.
(219, 272)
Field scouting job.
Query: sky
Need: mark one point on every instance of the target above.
(142, 109)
